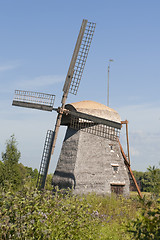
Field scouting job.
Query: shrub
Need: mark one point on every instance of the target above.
(146, 226)
(36, 215)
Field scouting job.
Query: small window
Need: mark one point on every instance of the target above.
(115, 167)
(111, 146)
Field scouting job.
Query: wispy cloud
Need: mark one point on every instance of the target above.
(32, 83)
(142, 117)
(40, 81)
(7, 67)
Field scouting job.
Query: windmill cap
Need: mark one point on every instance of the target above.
(95, 109)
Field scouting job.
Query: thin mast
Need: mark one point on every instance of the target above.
(110, 60)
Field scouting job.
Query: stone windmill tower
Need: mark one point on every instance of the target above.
(91, 158)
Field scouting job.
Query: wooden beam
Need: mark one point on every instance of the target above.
(129, 169)
(32, 105)
(126, 123)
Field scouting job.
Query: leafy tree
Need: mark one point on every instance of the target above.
(31, 173)
(138, 176)
(149, 181)
(154, 181)
(12, 154)
(14, 175)
(12, 172)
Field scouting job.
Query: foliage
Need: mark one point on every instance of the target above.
(30, 214)
(13, 174)
(10, 173)
(1, 172)
(149, 181)
(36, 215)
(12, 155)
(146, 226)
(154, 181)
(26, 213)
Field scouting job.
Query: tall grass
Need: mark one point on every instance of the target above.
(114, 214)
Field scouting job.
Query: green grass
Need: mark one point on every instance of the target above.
(135, 194)
(114, 214)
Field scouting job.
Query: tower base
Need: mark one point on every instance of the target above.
(89, 163)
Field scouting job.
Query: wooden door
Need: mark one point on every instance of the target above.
(117, 189)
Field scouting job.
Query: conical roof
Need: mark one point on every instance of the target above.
(95, 109)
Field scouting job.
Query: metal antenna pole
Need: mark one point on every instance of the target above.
(108, 88)
(110, 60)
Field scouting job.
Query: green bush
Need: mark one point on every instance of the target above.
(146, 226)
(36, 215)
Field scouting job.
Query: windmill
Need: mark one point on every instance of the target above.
(91, 128)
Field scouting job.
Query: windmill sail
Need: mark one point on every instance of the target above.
(37, 100)
(45, 160)
(79, 57)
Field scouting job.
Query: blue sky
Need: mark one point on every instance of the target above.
(37, 41)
